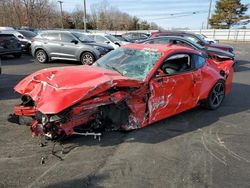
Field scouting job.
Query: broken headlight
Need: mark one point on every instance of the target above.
(45, 119)
(42, 118)
(54, 118)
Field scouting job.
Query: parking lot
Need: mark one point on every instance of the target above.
(198, 148)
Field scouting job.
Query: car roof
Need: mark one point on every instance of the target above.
(168, 36)
(172, 32)
(163, 48)
(101, 34)
(54, 31)
(10, 32)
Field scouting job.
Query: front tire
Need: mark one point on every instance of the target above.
(216, 96)
(87, 58)
(41, 56)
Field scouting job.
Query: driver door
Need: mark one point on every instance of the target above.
(174, 91)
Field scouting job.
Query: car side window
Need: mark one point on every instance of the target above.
(100, 39)
(52, 36)
(199, 61)
(177, 63)
(194, 39)
(92, 37)
(181, 43)
(65, 37)
(159, 41)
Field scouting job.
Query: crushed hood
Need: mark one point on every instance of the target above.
(221, 53)
(56, 89)
(220, 46)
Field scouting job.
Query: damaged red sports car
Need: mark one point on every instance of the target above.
(129, 88)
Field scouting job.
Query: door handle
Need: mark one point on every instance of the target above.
(62, 44)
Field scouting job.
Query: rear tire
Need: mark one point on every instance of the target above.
(87, 58)
(41, 56)
(216, 96)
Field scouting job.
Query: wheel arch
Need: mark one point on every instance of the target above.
(89, 51)
(39, 48)
(212, 85)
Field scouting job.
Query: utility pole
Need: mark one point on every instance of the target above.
(85, 17)
(60, 2)
(209, 13)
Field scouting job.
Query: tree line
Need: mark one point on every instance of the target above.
(227, 13)
(46, 14)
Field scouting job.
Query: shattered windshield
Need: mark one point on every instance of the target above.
(131, 63)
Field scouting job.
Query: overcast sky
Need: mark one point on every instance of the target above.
(159, 11)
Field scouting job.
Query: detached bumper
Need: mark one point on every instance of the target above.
(24, 110)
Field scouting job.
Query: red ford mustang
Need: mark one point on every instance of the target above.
(129, 88)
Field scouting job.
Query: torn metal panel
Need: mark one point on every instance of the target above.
(67, 88)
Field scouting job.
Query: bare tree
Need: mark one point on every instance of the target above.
(45, 14)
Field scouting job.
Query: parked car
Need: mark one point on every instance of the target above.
(9, 45)
(121, 38)
(29, 35)
(139, 83)
(210, 40)
(25, 43)
(67, 45)
(213, 53)
(107, 39)
(242, 24)
(6, 28)
(135, 36)
(193, 37)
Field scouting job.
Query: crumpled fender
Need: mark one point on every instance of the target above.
(227, 67)
(56, 89)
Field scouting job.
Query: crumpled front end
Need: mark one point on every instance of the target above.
(100, 100)
(91, 114)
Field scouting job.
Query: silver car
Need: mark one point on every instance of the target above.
(67, 45)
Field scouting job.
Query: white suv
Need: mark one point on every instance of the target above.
(106, 38)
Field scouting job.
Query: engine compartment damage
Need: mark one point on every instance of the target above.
(110, 105)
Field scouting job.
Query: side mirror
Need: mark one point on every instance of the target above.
(107, 42)
(159, 73)
(74, 41)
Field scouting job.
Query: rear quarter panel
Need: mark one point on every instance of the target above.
(210, 75)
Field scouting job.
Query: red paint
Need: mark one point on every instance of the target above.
(83, 89)
(24, 110)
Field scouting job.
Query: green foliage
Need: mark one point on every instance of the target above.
(227, 13)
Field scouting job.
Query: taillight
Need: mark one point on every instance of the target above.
(33, 40)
